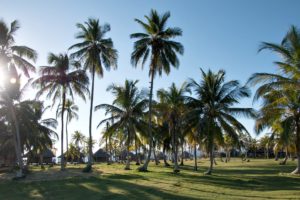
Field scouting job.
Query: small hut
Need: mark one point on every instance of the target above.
(100, 156)
(47, 157)
(123, 156)
(75, 159)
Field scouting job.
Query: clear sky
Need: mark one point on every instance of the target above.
(216, 34)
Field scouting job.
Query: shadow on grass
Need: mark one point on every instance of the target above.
(92, 188)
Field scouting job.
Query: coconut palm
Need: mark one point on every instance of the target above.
(286, 79)
(10, 95)
(217, 98)
(78, 138)
(96, 51)
(71, 110)
(38, 134)
(59, 81)
(174, 100)
(155, 42)
(11, 55)
(127, 112)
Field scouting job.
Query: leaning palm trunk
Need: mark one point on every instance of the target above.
(17, 142)
(62, 161)
(145, 165)
(90, 120)
(285, 158)
(195, 157)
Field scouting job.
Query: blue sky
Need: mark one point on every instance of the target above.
(216, 34)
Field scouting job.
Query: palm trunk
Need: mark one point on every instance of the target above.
(67, 140)
(165, 157)
(41, 160)
(155, 157)
(195, 157)
(17, 141)
(136, 151)
(297, 170)
(145, 166)
(127, 167)
(90, 120)
(175, 152)
(182, 155)
(62, 162)
(285, 158)
(211, 160)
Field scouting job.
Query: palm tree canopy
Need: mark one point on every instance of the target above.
(214, 103)
(95, 50)
(71, 108)
(156, 42)
(128, 108)
(289, 67)
(11, 55)
(58, 78)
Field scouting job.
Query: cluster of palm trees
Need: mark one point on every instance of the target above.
(202, 112)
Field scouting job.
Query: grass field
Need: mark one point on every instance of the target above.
(257, 179)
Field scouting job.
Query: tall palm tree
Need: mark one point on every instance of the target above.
(10, 95)
(174, 99)
(96, 51)
(286, 79)
(71, 110)
(127, 112)
(218, 116)
(58, 81)
(11, 55)
(156, 42)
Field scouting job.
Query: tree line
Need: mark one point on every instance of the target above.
(200, 112)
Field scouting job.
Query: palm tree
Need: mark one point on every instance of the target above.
(155, 42)
(174, 100)
(39, 136)
(286, 79)
(78, 138)
(127, 112)
(71, 110)
(58, 81)
(11, 55)
(9, 96)
(96, 51)
(218, 116)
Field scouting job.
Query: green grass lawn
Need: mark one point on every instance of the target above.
(258, 179)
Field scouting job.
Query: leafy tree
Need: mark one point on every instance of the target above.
(155, 42)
